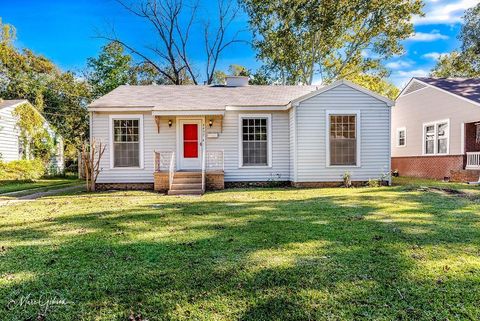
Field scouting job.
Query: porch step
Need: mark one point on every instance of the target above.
(186, 186)
(186, 183)
(187, 180)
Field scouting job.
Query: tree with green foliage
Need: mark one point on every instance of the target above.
(464, 62)
(61, 97)
(300, 39)
(34, 136)
(111, 69)
(376, 84)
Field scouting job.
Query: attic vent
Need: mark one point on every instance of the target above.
(236, 81)
(414, 86)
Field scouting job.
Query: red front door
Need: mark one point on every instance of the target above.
(190, 140)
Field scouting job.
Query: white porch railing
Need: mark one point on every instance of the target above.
(473, 160)
(165, 161)
(214, 160)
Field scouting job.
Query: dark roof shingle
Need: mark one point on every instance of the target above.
(464, 87)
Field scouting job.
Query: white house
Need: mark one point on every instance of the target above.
(188, 138)
(12, 149)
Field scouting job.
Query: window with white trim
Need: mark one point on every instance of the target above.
(343, 140)
(401, 137)
(255, 150)
(126, 142)
(436, 137)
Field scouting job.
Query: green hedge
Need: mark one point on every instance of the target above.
(22, 170)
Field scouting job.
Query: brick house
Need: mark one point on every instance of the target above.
(436, 129)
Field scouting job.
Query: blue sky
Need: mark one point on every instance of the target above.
(64, 31)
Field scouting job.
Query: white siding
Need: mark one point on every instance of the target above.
(228, 141)
(293, 144)
(8, 135)
(152, 141)
(311, 136)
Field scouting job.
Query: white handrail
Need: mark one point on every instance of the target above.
(473, 160)
(171, 170)
(204, 161)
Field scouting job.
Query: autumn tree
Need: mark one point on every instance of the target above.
(301, 39)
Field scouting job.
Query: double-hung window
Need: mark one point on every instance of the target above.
(401, 137)
(343, 140)
(436, 137)
(477, 137)
(255, 140)
(127, 139)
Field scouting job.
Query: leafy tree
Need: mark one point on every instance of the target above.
(34, 137)
(466, 61)
(60, 96)
(376, 84)
(111, 69)
(299, 39)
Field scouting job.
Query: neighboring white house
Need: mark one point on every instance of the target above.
(11, 148)
(197, 136)
(436, 129)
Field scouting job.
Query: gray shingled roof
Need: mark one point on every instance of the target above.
(9, 103)
(464, 87)
(200, 97)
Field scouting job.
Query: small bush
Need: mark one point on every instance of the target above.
(347, 179)
(373, 183)
(22, 170)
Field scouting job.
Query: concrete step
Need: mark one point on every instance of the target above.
(187, 180)
(187, 174)
(185, 192)
(186, 186)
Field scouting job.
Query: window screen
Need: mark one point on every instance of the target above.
(430, 139)
(442, 138)
(126, 143)
(402, 137)
(343, 140)
(255, 141)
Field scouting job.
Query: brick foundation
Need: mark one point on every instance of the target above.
(124, 186)
(215, 181)
(160, 181)
(465, 176)
(328, 184)
(436, 167)
(257, 184)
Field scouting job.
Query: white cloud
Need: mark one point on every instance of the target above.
(444, 12)
(401, 77)
(413, 73)
(432, 36)
(398, 64)
(434, 55)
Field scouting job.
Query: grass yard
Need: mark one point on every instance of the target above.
(410, 251)
(14, 186)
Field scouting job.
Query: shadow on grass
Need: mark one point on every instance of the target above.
(323, 257)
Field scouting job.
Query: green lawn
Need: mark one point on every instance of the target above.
(13, 186)
(404, 252)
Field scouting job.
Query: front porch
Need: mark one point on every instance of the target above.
(169, 179)
(472, 146)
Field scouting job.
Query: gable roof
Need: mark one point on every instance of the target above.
(347, 83)
(213, 98)
(191, 97)
(466, 88)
